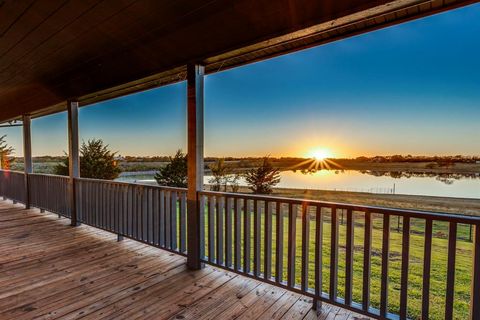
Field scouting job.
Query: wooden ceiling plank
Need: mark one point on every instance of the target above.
(67, 35)
(59, 21)
(10, 12)
(34, 17)
(72, 54)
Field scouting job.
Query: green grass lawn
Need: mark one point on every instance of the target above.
(415, 278)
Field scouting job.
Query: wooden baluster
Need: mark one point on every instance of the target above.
(267, 272)
(228, 232)
(156, 217)
(367, 251)
(130, 197)
(246, 236)
(219, 232)
(100, 194)
(211, 226)
(349, 257)
(475, 292)
(125, 210)
(201, 220)
(162, 218)
(334, 254)
(168, 219)
(385, 263)
(318, 257)
(256, 238)
(292, 237)
(305, 246)
(183, 222)
(279, 244)
(173, 220)
(140, 213)
(427, 260)
(151, 214)
(116, 203)
(237, 234)
(405, 265)
(113, 208)
(452, 251)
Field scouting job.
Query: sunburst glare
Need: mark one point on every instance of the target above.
(320, 154)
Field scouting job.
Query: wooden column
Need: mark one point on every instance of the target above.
(73, 157)
(195, 91)
(27, 156)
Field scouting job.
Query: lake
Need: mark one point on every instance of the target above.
(350, 180)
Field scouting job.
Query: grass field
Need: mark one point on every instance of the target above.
(415, 281)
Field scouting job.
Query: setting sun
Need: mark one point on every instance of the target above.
(320, 154)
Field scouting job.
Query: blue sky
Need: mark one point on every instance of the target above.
(408, 89)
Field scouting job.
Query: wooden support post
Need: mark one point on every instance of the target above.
(195, 91)
(73, 157)
(27, 155)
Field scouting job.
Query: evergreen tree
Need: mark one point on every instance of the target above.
(5, 153)
(262, 179)
(96, 161)
(174, 174)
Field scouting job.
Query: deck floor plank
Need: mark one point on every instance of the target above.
(49, 270)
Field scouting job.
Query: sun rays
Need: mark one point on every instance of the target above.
(319, 159)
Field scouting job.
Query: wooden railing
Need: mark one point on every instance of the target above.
(150, 214)
(362, 258)
(50, 192)
(12, 185)
(301, 244)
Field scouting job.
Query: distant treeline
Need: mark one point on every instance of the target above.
(282, 161)
(410, 158)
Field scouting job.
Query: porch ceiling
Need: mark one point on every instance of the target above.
(51, 51)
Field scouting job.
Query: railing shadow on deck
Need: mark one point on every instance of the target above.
(358, 257)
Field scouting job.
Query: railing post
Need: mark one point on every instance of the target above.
(27, 156)
(73, 157)
(475, 296)
(195, 92)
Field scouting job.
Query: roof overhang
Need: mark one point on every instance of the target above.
(93, 50)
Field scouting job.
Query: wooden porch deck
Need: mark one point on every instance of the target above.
(49, 270)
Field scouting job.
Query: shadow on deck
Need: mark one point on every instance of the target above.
(49, 270)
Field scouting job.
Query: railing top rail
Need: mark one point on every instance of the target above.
(48, 175)
(132, 184)
(12, 171)
(354, 207)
